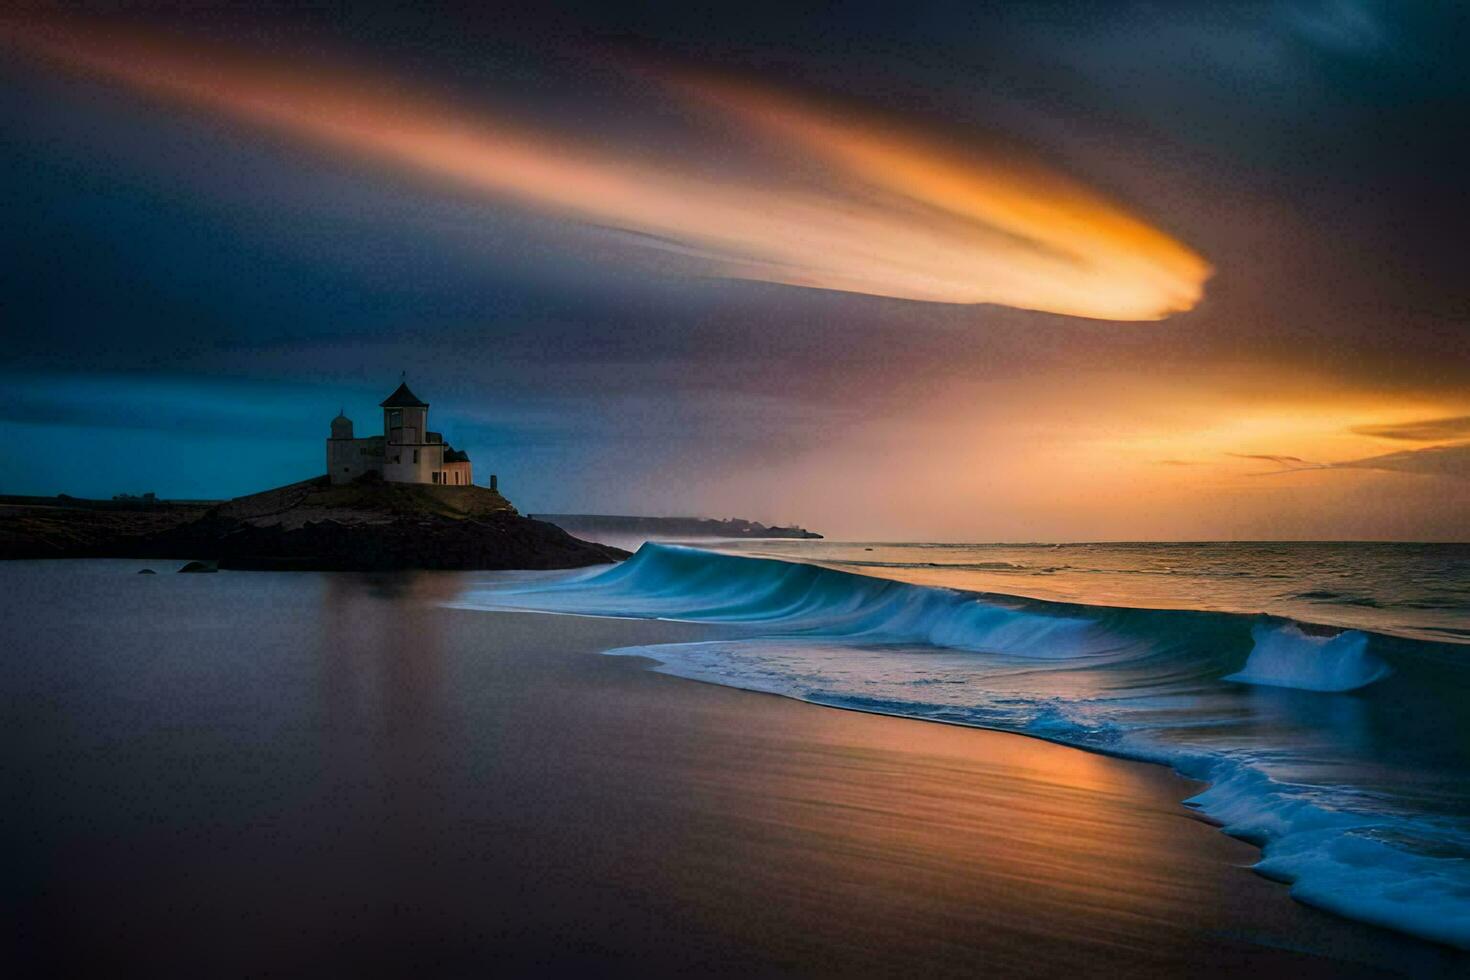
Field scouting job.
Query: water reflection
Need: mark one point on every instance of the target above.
(380, 655)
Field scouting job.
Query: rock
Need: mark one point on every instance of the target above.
(311, 525)
(146, 571)
(499, 541)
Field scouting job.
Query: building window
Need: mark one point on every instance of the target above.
(415, 455)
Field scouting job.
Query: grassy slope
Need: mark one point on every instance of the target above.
(362, 503)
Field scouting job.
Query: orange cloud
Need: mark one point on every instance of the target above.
(907, 218)
(998, 230)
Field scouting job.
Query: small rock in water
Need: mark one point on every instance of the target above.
(146, 571)
(200, 566)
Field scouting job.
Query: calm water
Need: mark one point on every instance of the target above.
(307, 774)
(1322, 690)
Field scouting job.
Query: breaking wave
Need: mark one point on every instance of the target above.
(1341, 752)
(1285, 656)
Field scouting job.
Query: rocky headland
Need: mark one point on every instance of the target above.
(364, 526)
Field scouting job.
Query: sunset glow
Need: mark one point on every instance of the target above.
(799, 488)
(904, 289)
(1049, 236)
(906, 219)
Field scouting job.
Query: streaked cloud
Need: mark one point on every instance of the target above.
(1427, 430)
(903, 215)
(1271, 458)
(1015, 230)
(1342, 26)
(1452, 461)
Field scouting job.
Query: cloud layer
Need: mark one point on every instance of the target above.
(900, 215)
(1427, 430)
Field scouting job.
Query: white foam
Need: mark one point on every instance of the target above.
(1340, 861)
(1141, 684)
(1284, 656)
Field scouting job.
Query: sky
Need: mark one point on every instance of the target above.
(967, 272)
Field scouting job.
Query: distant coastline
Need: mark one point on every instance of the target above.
(673, 527)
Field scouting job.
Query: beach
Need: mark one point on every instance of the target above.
(330, 773)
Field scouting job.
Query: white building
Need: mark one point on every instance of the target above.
(406, 452)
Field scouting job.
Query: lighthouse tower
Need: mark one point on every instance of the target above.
(409, 456)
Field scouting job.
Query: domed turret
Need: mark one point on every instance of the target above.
(341, 427)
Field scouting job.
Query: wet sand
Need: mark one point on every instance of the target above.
(333, 775)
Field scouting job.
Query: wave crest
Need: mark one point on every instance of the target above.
(673, 582)
(1285, 656)
(1358, 801)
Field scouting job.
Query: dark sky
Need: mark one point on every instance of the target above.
(763, 321)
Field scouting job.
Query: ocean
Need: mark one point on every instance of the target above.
(1320, 690)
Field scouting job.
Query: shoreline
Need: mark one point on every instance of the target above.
(1179, 787)
(307, 772)
(1245, 731)
(1194, 812)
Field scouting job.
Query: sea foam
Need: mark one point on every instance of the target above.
(1357, 799)
(1286, 656)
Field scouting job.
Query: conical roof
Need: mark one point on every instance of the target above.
(403, 398)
